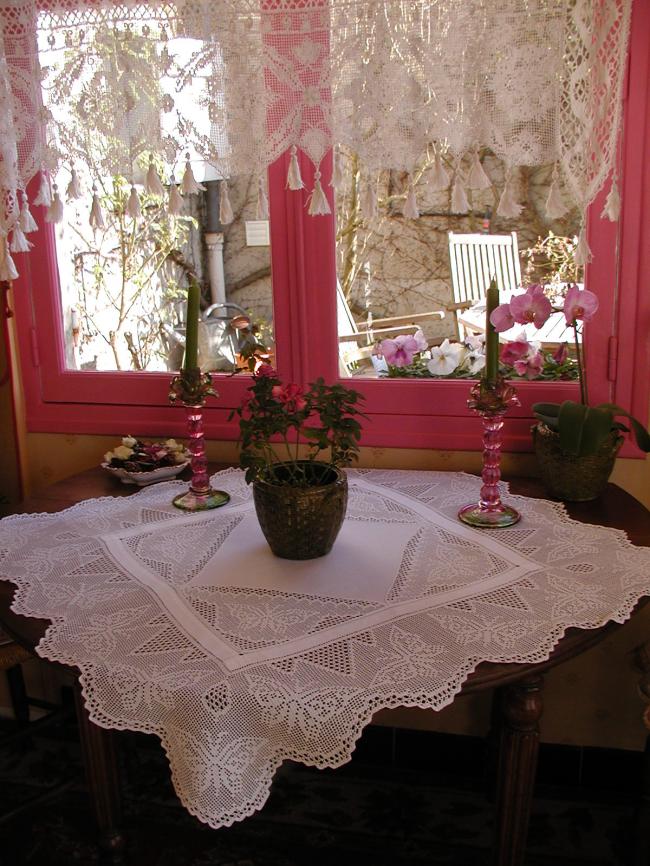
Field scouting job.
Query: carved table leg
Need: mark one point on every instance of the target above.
(102, 777)
(521, 706)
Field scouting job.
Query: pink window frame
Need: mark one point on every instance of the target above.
(403, 413)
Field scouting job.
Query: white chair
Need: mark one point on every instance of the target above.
(476, 259)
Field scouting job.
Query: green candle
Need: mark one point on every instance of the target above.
(191, 361)
(491, 336)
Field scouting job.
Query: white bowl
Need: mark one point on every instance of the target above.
(163, 473)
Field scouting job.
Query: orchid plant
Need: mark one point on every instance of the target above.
(582, 428)
(323, 416)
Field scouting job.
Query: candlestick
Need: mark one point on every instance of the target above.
(491, 336)
(491, 400)
(191, 387)
(192, 327)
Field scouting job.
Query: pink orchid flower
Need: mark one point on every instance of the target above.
(531, 366)
(400, 351)
(532, 306)
(291, 396)
(501, 318)
(579, 304)
(515, 350)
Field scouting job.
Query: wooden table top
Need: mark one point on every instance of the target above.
(615, 508)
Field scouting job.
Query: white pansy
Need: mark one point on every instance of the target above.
(129, 441)
(108, 456)
(122, 452)
(476, 363)
(445, 358)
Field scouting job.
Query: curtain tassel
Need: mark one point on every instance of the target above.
(175, 203)
(369, 200)
(19, 243)
(7, 265)
(294, 179)
(612, 209)
(152, 182)
(55, 210)
(508, 207)
(226, 215)
(133, 208)
(73, 190)
(555, 206)
(582, 253)
(337, 170)
(410, 210)
(262, 201)
(44, 196)
(440, 175)
(96, 218)
(478, 179)
(27, 221)
(318, 203)
(189, 184)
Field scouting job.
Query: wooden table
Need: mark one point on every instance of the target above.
(518, 687)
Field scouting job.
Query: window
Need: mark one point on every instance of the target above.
(403, 412)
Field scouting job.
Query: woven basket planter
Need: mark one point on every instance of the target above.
(302, 522)
(575, 479)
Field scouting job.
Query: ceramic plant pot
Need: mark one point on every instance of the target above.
(575, 479)
(302, 522)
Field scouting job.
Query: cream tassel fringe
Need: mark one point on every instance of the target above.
(189, 184)
(96, 218)
(7, 265)
(555, 206)
(294, 179)
(27, 221)
(226, 215)
(509, 208)
(262, 201)
(44, 197)
(133, 208)
(55, 210)
(369, 200)
(337, 171)
(73, 190)
(612, 209)
(459, 203)
(410, 210)
(582, 253)
(19, 243)
(152, 182)
(175, 203)
(318, 203)
(478, 179)
(440, 176)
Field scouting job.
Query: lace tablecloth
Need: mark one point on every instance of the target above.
(188, 627)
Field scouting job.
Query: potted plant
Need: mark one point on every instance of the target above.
(576, 444)
(300, 501)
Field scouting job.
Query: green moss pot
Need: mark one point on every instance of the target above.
(302, 522)
(574, 479)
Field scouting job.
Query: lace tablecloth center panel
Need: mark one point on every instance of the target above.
(188, 627)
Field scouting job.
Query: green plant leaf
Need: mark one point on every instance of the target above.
(570, 425)
(641, 435)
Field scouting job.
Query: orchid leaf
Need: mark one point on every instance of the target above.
(641, 435)
(547, 413)
(583, 429)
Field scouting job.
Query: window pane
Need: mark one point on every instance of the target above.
(123, 285)
(398, 275)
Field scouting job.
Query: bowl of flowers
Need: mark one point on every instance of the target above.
(142, 463)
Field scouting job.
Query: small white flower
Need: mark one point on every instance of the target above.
(129, 441)
(476, 363)
(122, 452)
(445, 358)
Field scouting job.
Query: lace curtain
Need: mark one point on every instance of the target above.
(145, 90)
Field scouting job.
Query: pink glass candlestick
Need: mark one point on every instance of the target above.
(491, 401)
(191, 388)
